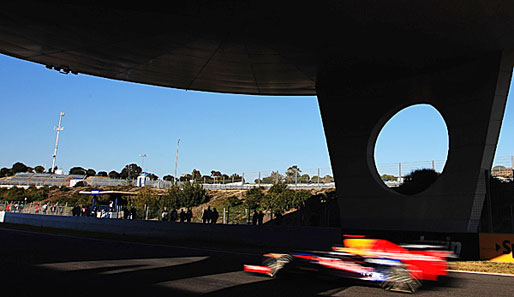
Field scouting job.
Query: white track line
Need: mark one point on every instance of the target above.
(485, 273)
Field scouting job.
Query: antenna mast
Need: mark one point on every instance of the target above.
(58, 129)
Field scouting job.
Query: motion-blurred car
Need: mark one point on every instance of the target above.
(395, 267)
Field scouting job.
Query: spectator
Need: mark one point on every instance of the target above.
(182, 215)
(164, 214)
(189, 215)
(261, 217)
(214, 216)
(126, 212)
(75, 211)
(206, 216)
(133, 213)
(255, 217)
(174, 215)
(278, 218)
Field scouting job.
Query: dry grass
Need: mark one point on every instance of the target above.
(483, 266)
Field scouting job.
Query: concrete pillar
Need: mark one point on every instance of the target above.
(471, 97)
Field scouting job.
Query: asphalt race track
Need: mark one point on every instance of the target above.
(37, 264)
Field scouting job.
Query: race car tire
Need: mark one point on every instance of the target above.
(400, 280)
(276, 264)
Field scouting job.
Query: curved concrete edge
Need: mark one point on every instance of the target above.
(297, 237)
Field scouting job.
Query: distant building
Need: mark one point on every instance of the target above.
(142, 180)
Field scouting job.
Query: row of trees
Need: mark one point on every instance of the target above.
(131, 171)
(20, 167)
(186, 195)
(292, 175)
(19, 194)
(277, 198)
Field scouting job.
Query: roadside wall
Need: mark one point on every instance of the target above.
(297, 237)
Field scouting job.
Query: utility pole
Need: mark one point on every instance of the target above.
(58, 129)
(400, 172)
(176, 161)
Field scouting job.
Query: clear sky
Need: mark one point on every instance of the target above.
(109, 123)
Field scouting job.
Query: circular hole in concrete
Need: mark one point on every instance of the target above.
(411, 149)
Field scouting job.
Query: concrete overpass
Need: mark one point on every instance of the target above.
(365, 60)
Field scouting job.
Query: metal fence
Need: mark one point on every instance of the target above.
(36, 208)
(312, 178)
(502, 168)
(224, 215)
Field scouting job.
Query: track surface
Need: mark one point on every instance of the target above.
(35, 264)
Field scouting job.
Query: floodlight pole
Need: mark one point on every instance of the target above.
(143, 156)
(176, 161)
(58, 129)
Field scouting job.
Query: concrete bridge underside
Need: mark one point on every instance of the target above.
(365, 60)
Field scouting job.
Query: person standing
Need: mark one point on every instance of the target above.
(189, 215)
(255, 217)
(174, 215)
(164, 214)
(261, 217)
(206, 216)
(182, 215)
(214, 216)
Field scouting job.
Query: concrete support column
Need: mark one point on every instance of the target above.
(471, 97)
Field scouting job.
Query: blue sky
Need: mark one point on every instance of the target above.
(109, 123)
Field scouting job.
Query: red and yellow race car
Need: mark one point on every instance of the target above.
(395, 267)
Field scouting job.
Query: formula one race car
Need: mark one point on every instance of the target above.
(395, 267)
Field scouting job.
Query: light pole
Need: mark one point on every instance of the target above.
(143, 156)
(176, 161)
(58, 129)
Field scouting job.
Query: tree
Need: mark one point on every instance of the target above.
(78, 171)
(102, 173)
(193, 194)
(131, 171)
(114, 174)
(327, 179)
(168, 178)
(185, 177)
(216, 174)
(277, 197)
(153, 176)
(39, 169)
(417, 181)
(196, 175)
(272, 179)
(305, 178)
(207, 179)
(18, 167)
(145, 197)
(388, 177)
(90, 172)
(299, 199)
(253, 198)
(5, 172)
(499, 169)
(292, 173)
